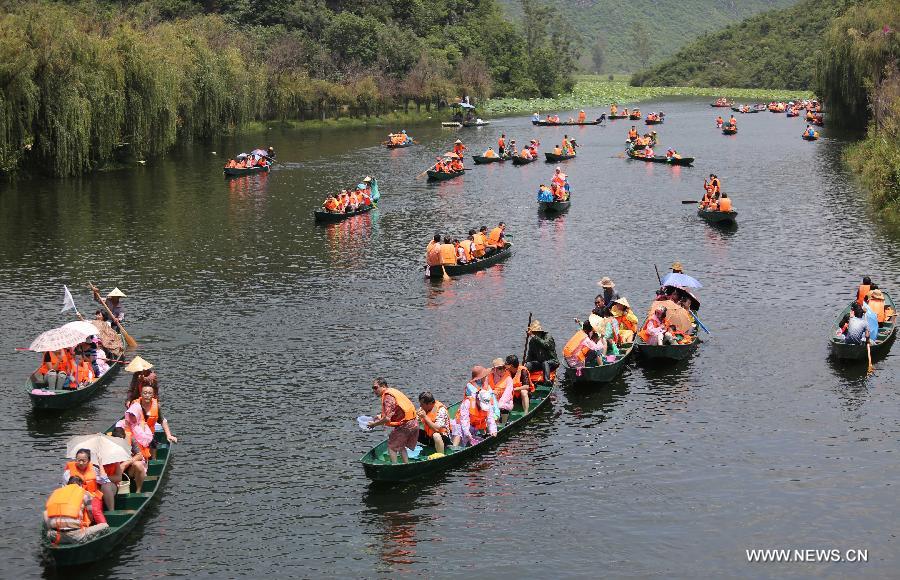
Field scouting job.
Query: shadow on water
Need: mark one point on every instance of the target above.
(592, 403)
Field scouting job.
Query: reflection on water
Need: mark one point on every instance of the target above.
(268, 329)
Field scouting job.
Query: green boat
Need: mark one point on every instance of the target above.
(323, 216)
(554, 158)
(614, 117)
(238, 171)
(59, 399)
(129, 509)
(481, 159)
(729, 130)
(666, 352)
(686, 161)
(807, 137)
(554, 206)
(519, 160)
(887, 330)
(443, 175)
(480, 264)
(714, 217)
(378, 466)
(604, 373)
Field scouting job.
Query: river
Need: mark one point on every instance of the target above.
(267, 331)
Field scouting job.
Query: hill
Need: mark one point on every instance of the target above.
(668, 25)
(773, 49)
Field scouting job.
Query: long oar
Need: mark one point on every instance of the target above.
(703, 326)
(525, 350)
(871, 368)
(686, 201)
(128, 340)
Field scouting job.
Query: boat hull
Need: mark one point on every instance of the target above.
(666, 353)
(522, 161)
(553, 158)
(482, 160)
(401, 145)
(566, 124)
(554, 206)
(729, 131)
(378, 468)
(486, 262)
(717, 216)
(685, 161)
(238, 171)
(443, 175)
(601, 374)
(329, 217)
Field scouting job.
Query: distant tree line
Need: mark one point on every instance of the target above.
(83, 81)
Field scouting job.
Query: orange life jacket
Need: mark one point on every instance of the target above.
(494, 238)
(517, 379)
(572, 347)
(501, 143)
(448, 254)
(47, 365)
(409, 410)
(477, 416)
(861, 293)
(538, 376)
(480, 243)
(145, 451)
(68, 502)
(468, 248)
(877, 306)
(89, 476)
(581, 117)
(85, 372)
(153, 415)
(331, 204)
(499, 386)
(626, 323)
(432, 416)
(725, 204)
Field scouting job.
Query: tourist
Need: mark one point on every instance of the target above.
(435, 420)
(501, 144)
(448, 252)
(857, 328)
(863, 289)
(397, 411)
(656, 330)
(871, 317)
(474, 420)
(68, 514)
(57, 370)
(499, 381)
(135, 467)
(95, 482)
(580, 345)
(626, 319)
(495, 240)
(152, 414)
(608, 296)
(540, 352)
(521, 381)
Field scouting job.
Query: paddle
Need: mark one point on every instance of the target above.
(525, 350)
(657, 274)
(686, 201)
(703, 326)
(128, 340)
(871, 368)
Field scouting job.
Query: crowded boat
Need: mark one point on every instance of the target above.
(478, 244)
(258, 158)
(559, 189)
(400, 139)
(353, 200)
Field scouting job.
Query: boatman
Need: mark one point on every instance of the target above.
(112, 302)
(397, 411)
(459, 148)
(582, 117)
(501, 144)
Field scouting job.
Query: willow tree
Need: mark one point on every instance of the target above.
(860, 48)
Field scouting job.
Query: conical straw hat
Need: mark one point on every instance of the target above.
(116, 293)
(137, 365)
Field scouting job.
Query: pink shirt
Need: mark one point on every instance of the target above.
(467, 426)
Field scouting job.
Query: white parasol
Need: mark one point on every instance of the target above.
(65, 336)
(104, 448)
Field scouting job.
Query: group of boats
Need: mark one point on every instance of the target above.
(814, 114)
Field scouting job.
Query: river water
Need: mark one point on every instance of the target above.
(267, 330)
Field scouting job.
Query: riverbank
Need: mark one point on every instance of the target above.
(876, 160)
(594, 91)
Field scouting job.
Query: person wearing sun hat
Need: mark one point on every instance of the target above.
(604, 301)
(677, 267)
(459, 148)
(628, 321)
(142, 375)
(499, 381)
(540, 351)
(112, 302)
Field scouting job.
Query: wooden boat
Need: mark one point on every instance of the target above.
(130, 508)
(790, 114)
(666, 352)
(605, 373)
(486, 262)
(451, 125)
(481, 159)
(58, 399)
(378, 466)
(809, 137)
(722, 104)
(566, 123)
(614, 117)
(443, 175)
(729, 130)
(654, 121)
(554, 206)
(519, 160)
(409, 143)
(662, 159)
(237, 171)
(328, 217)
(553, 157)
(887, 330)
(634, 117)
(475, 123)
(740, 110)
(714, 216)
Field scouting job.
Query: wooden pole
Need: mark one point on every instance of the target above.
(132, 343)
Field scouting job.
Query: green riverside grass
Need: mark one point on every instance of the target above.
(593, 91)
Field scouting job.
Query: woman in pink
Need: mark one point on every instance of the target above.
(656, 328)
(462, 431)
(501, 383)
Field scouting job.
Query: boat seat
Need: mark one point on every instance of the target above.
(118, 517)
(131, 501)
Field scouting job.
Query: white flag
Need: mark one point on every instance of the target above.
(68, 301)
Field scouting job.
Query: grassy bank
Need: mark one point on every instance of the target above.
(593, 91)
(393, 121)
(877, 161)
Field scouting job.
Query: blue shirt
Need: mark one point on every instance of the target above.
(872, 321)
(545, 195)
